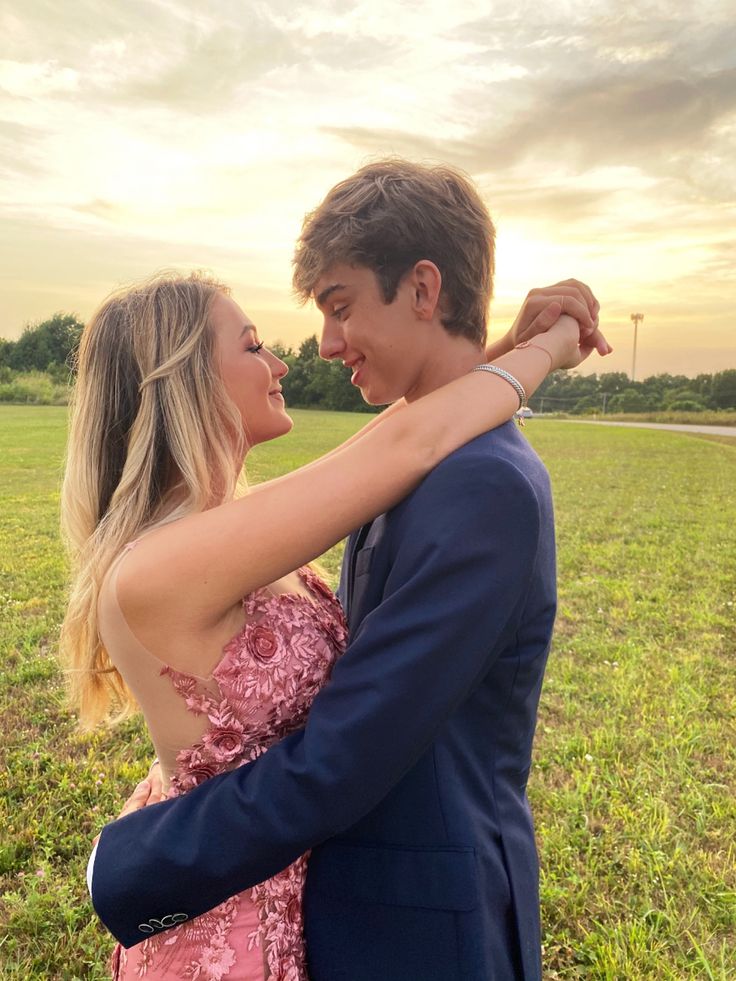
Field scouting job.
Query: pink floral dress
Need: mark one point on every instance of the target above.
(260, 691)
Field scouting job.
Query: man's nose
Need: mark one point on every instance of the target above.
(332, 343)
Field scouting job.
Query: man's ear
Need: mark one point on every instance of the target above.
(425, 281)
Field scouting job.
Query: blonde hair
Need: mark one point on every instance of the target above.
(153, 436)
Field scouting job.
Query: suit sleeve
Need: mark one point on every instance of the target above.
(465, 545)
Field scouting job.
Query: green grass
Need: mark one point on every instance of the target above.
(633, 782)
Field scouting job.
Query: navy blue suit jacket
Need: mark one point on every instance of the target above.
(408, 781)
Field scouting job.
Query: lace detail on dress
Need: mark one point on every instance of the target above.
(196, 950)
(279, 902)
(260, 691)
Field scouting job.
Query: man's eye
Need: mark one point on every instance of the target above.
(255, 348)
(339, 313)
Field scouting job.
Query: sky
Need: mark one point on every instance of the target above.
(158, 134)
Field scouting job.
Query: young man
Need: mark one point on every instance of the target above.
(408, 782)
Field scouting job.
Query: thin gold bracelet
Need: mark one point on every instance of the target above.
(539, 347)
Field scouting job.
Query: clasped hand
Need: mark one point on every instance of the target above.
(544, 306)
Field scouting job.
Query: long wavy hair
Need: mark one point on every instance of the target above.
(153, 436)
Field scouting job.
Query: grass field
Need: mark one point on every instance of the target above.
(633, 785)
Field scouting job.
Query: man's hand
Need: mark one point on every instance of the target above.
(543, 306)
(148, 791)
(541, 309)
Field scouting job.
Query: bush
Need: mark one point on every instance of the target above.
(53, 341)
(630, 400)
(591, 404)
(686, 405)
(32, 388)
(678, 397)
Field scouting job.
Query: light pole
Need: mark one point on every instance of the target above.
(636, 318)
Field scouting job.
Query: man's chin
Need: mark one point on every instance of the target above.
(373, 397)
(377, 394)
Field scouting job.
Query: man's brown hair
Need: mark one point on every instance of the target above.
(388, 216)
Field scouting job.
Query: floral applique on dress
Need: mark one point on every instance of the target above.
(260, 691)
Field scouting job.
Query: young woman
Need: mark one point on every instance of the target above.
(185, 601)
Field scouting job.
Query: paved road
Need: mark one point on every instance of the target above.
(673, 427)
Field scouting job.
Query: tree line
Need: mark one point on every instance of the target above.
(614, 391)
(312, 382)
(50, 347)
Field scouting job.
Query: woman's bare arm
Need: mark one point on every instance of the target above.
(197, 568)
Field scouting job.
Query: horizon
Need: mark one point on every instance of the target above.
(603, 142)
(293, 349)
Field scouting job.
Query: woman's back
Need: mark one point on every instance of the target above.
(260, 690)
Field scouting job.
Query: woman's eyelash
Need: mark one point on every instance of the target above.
(255, 348)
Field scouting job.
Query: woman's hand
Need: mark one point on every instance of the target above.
(564, 344)
(542, 307)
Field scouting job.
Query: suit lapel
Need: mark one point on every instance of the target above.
(347, 570)
(362, 569)
(342, 588)
(358, 544)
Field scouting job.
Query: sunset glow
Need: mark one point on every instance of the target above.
(160, 134)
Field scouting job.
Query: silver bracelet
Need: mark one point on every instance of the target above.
(507, 376)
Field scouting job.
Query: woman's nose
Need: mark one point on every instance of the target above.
(279, 368)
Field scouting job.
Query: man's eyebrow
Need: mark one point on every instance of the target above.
(326, 293)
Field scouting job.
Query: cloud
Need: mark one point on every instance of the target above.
(161, 54)
(718, 270)
(603, 83)
(212, 69)
(614, 120)
(649, 92)
(100, 208)
(20, 150)
(386, 142)
(154, 132)
(556, 204)
(25, 79)
(227, 67)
